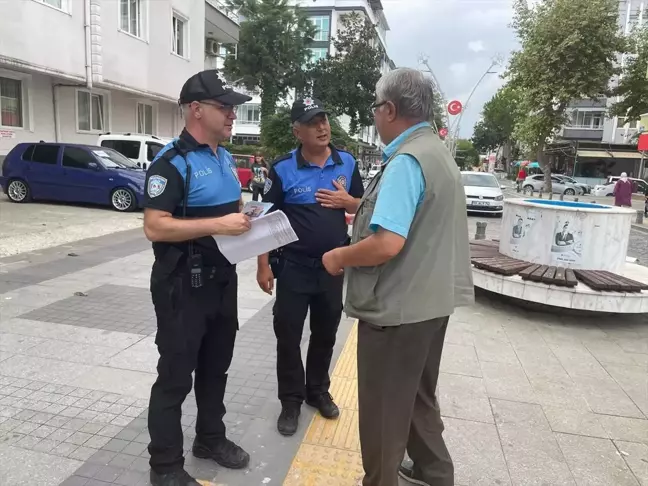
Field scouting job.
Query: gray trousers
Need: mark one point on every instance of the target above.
(398, 369)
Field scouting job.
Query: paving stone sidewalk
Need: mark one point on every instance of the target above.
(527, 398)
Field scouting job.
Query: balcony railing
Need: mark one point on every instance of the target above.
(222, 7)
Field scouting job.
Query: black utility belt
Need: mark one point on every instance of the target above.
(301, 259)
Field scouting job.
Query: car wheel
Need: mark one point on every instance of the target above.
(609, 195)
(123, 200)
(18, 191)
(570, 192)
(527, 190)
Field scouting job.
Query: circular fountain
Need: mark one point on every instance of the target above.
(570, 235)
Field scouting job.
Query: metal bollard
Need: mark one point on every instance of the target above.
(540, 194)
(562, 197)
(480, 234)
(575, 199)
(640, 216)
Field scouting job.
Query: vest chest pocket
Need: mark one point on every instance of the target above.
(363, 218)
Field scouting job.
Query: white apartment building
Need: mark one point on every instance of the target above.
(325, 14)
(73, 69)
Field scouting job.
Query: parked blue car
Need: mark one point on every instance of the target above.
(73, 173)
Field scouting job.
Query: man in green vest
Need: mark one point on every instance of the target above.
(408, 268)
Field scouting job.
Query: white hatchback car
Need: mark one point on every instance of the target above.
(483, 193)
(638, 187)
(141, 149)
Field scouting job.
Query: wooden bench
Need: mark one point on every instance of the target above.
(485, 255)
(500, 264)
(559, 276)
(603, 280)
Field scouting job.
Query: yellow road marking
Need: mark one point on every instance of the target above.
(330, 452)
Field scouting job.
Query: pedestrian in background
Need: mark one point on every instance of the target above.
(313, 185)
(522, 175)
(259, 174)
(192, 193)
(623, 191)
(408, 267)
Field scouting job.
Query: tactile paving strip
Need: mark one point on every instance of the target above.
(330, 452)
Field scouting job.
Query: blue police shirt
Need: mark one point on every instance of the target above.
(291, 186)
(214, 189)
(402, 189)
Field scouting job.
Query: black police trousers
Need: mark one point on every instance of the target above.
(196, 332)
(300, 287)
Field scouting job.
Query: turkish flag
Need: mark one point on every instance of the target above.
(643, 142)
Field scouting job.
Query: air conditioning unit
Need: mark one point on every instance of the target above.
(212, 47)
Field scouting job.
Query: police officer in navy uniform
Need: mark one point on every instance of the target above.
(192, 193)
(313, 185)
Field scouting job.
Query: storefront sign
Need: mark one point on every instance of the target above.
(7, 134)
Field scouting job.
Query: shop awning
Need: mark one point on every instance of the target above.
(602, 154)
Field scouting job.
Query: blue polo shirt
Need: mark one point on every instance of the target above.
(214, 189)
(291, 186)
(402, 189)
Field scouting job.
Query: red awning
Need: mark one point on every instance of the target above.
(643, 142)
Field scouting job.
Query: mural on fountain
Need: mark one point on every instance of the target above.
(567, 234)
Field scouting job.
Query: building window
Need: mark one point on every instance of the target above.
(144, 119)
(248, 115)
(130, 15)
(91, 112)
(623, 124)
(57, 4)
(180, 35)
(322, 24)
(588, 119)
(318, 53)
(11, 105)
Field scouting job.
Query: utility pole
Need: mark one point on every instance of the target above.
(423, 60)
(453, 133)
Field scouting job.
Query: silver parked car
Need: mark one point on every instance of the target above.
(584, 188)
(535, 183)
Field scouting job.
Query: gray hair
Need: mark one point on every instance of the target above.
(410, 90)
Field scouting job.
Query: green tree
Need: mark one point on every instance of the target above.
(467, 154)
(439, 118)
(278, 137)
(568, 52)
(499, 118)
(274, 42)
(346, 81)
(633, 83)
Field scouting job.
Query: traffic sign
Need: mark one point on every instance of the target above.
(443, 132)
(455, 107)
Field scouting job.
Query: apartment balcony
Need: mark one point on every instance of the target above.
(582, 133)
(221, 23)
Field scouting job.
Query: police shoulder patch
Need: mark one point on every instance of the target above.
(156, 185)
(267, 186)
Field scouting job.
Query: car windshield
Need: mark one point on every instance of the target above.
(479, 180)
(111, 159)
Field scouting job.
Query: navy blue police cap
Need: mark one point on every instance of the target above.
(304, 110)
(207, 85)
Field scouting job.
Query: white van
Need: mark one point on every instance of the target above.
(141, 149)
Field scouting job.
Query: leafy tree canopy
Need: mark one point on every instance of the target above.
(499, 118)
(569, 50)
(467, 154)
(274, 42)
(346, 81)
(633, 84)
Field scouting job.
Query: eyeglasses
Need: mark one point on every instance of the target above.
(223, 108)
(377, 105)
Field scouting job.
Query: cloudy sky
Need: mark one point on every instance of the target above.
(460, 38)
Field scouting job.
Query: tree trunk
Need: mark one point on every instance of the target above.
(269, 99)
(545, 166)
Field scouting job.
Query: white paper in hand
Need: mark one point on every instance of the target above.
(268, 232)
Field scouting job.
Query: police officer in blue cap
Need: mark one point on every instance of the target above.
(313, 185)
(192, 193)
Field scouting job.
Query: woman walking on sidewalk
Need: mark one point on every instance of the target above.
(623, 192)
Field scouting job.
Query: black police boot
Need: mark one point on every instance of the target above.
(288, 418)
(408, 472)
(224, 452)
(174, 478)
(325, 405)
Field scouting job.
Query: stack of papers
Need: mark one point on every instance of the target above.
(268, 232)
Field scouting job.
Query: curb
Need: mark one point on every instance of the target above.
(640, 227)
